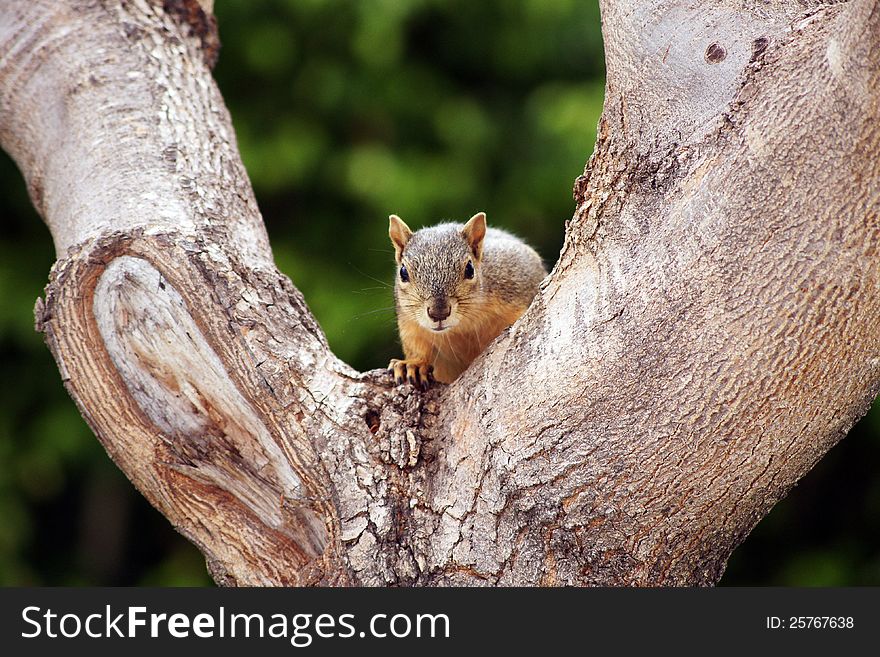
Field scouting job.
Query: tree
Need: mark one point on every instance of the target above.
(708, 333)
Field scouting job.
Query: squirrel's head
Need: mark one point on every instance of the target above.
(438, 271)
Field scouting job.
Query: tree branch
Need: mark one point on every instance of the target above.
(130, 157)
(84, 147)
(855, 53)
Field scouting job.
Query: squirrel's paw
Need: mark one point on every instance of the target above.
(418, 372)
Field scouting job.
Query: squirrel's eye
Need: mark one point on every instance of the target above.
(469, 270)
(404, 274)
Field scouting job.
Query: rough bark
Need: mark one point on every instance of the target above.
(709, 332)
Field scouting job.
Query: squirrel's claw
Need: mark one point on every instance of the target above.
(417, 372)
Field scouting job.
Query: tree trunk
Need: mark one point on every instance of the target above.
(711, 328)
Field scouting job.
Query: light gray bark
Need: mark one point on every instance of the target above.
(709, 332)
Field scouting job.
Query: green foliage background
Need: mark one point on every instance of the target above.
(345, 112)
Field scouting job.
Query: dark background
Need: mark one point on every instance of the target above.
(346, 112)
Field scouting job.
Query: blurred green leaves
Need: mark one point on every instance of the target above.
(347, 112)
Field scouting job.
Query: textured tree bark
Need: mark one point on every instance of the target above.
(711, 329)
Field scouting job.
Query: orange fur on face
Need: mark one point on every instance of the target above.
(452, 351)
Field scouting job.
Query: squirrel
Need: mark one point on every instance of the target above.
(456, 288)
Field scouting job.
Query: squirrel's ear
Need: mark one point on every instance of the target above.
(474, 231)
(399, 233)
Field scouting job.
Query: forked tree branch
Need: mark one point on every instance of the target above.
(709, 332)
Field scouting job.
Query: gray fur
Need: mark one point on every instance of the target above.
(435, 257)
(511, 268)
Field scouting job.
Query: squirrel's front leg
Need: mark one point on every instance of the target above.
(417, 364)
(418, 371)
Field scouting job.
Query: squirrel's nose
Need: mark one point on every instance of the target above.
(439, 310)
